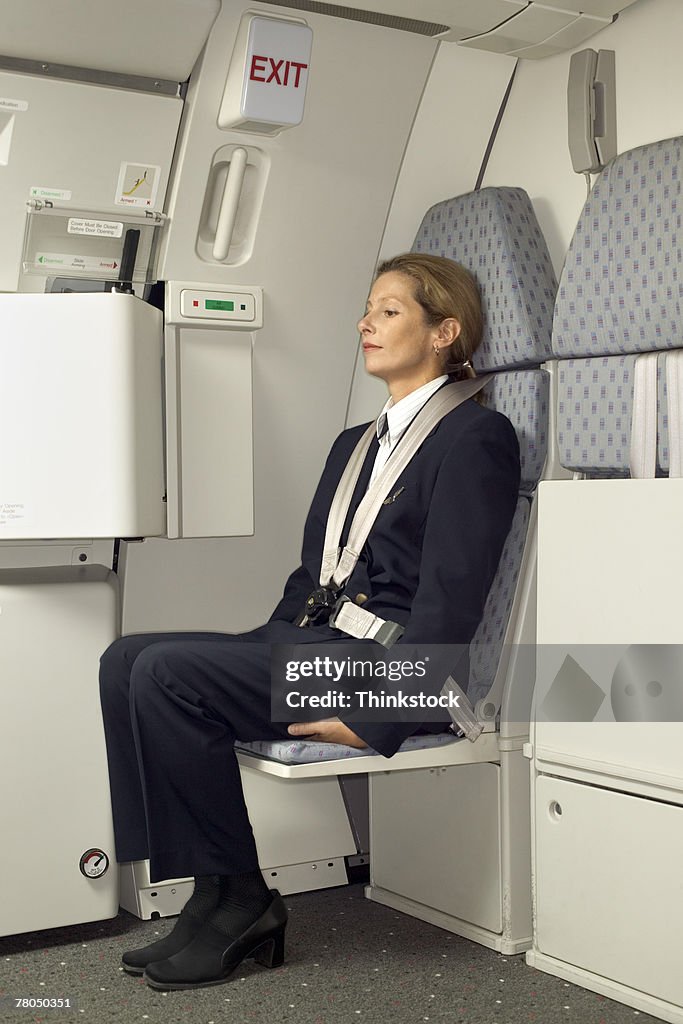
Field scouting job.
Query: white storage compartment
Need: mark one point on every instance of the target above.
(54, 787)
(80, 417)
(609, 887)
(424, 847)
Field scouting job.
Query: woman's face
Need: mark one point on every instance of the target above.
(398, 344)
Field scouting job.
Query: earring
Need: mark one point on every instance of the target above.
(437, 350)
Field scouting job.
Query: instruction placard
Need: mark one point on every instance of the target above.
(69, 261)
(103, 228)
(42, 192)
(6, 104)
(11, 512)
(138, 185)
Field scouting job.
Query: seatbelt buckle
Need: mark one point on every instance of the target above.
(362, 624)
(320, 605)
(462, 713)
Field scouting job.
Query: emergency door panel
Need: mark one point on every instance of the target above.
(73, 144)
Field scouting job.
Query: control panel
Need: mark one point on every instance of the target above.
(240, 307)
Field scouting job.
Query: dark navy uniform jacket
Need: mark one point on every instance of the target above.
(432, 553)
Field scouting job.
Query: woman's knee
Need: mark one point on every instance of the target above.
(115, 666)
(117, 662)
(159, 667)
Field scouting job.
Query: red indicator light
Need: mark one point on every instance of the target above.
(195, 302)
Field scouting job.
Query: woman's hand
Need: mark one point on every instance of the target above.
(329, 730)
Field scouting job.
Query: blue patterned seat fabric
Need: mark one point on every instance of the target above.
(620, 294)
(493, 232)
(308, 752)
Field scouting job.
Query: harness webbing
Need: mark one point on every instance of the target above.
(336, 568)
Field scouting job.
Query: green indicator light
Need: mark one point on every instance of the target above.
(223, 304)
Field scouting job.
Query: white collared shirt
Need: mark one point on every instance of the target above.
(397, 418)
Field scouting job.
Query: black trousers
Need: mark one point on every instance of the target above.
(173, 704)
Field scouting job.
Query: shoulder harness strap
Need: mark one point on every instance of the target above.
(336, 569)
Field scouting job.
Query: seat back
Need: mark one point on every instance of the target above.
(495, 234)
(620, 296)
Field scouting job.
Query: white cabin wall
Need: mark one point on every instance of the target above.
(325, 206)
(531, 148)
(443, 158)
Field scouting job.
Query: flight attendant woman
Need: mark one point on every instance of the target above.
(174, 703)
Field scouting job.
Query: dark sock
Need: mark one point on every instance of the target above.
(242, 900)
(204, 899)
(196, 911)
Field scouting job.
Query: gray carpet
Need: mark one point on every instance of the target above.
(347, 960)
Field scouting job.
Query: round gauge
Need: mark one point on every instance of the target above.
(94, 863)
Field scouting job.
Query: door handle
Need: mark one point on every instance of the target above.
(229, 204)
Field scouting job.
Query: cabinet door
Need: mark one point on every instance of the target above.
(609, 896)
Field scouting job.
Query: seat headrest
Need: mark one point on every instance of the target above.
(621, 289)
(495, 234)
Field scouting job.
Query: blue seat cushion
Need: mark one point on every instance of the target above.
(308, 752)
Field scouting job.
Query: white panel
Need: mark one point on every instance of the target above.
(531, 148)
(608, 893)
(598, 8)
(54, 625)
(156, 39)
(425, 847)
(80, 399)
(576, 32)
(316, 805)
(73, 139)
(444, 154)
(18, 554)
(209, 433)
(209, 409)
(612, 593)
(465, 16)
(532, 25)
(633, 592)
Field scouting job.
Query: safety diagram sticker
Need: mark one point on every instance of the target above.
(138, 185)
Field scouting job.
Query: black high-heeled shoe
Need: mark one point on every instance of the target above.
(196, 911)
(208, 960)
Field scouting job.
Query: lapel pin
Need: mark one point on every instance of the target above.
(392, 499)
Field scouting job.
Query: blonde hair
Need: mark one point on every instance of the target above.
(444, 289)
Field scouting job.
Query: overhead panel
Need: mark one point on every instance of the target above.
(157, 38)
(532, 25)
(568, 38)
(521, 28)
(451, 19)
(596, 8)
